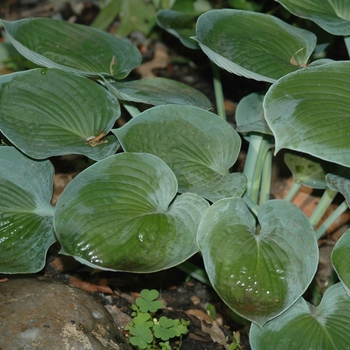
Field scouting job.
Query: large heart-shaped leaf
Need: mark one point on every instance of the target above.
(254, 45)
(26, 228)
(72, 47)
(308, 111)
(159, 91)
(199, 147)
(48, 112)
(258, 274)
(332, 15)
(304, 326)
(116, 215)
(180, 24)
(341, 260)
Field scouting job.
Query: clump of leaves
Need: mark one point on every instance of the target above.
(148, 332)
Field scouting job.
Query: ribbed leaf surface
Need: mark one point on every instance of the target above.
(26, 228)
(303, 326)
(116, 215)
(72, 47)
(332, 15)
(308, 111)
(198, 146)
(258, 274)
(254, 45)
(48, 112)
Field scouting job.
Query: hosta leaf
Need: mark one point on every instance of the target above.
(339, 184)
(341, 260)
(180, 24)
(198, 146)
(26, 228)
(258, 275)
(250, 115)
(308, 111)
(254, 45)
(304, 326)
(307, 170)
(116, 215)
(159, 91)
(47, 112)
(72, 47)
(332, 15)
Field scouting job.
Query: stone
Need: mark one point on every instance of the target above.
(44, 315)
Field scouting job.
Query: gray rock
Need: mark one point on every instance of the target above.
(44, 315)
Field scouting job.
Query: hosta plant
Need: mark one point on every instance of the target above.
(170, 192)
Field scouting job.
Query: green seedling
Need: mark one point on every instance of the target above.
(148, 332)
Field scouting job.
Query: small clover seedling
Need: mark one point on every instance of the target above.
(146, 331)
(148, 302)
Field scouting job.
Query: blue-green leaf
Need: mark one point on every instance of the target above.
(159, 91)
(259, 274)
(72, 47)
(332, 15)
(199, 147)
(341, 260)
(253, 45)
(304, 326)
(26, 227)
(48, 112)
(308, 111)
(121, 214)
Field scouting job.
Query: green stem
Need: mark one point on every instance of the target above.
(322, 206)
(293, 191)
(347, 43)
(265, 186)
(255, 141)
(330, 220)
(263, 147)
(219, 95)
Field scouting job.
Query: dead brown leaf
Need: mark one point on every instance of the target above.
(160, 60)
(201, 315)
(90, 287)
(216, 334)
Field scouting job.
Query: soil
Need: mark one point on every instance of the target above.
(183, 296)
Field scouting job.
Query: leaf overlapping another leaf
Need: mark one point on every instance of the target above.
(199, 147)
(308, 111)
(121, 214)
